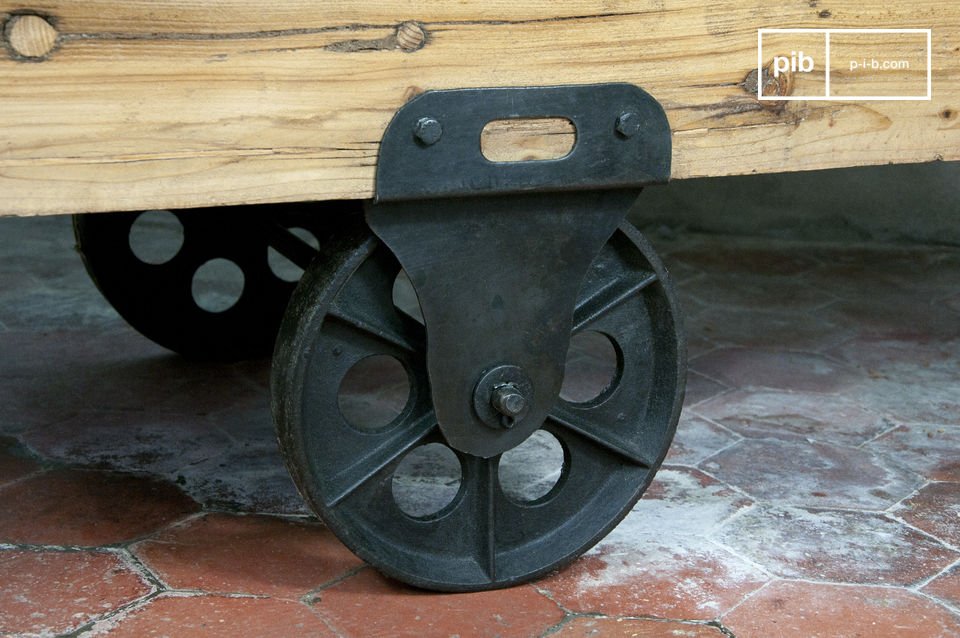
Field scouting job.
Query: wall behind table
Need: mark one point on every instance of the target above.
(906, 202)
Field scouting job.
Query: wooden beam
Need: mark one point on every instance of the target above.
(178, 103)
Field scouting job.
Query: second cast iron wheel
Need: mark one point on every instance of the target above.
(153, 283)
(487, 534)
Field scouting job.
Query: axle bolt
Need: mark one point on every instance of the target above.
(508, 401)
(628, 124)
(428, 131)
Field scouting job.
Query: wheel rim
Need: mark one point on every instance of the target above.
(159, 299)
(611, 444)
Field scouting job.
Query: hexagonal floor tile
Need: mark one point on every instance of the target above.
(78, 507)
(746, 256)
(587, 627)
(901, 359)
(664, 576)
(809, 610)
(813, 474)
(953, 303)
(15, 461)
(216, 617)
(746, 291)
(700, 388)
(930, 450)
(799, 371)
(680, 501)
(936, 510)
(696, 439)
(368, 604)
(757, 328)
(910, 400)
(893, 314)
(946, 586)
(261, 555)
(838, 546)
(47, 593)
(795, 415)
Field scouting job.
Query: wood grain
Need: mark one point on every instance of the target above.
(176, 103)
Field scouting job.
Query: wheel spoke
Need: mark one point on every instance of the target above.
(388, 449)
(400, 331)
(607, 298)
(579, 421)
(480, 510)
(365, 304)
(290, 246)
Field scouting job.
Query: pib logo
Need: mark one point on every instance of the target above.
(798, 62)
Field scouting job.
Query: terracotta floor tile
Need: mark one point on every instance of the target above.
(28, 352)
(908, 379)
(953, 303)
(586, 627)
(247, 555)
(746, 257)
(682, 501)
(370, 605)
(696, 439)
(756, 327)
(819, 474)
(662, 575)
(839, 546)
(15, 462)
(217, 617)
(895, 315)
(854, 269)
(795, 415)
(946, 586)
(23, 407)
(751, 290)
(75, 507)
(698, 344)
(892, 359)
(700, 388)
(911, 399)
(804, 610)
(930, 450)
(55, 592)
(747, 367)
(936, 510)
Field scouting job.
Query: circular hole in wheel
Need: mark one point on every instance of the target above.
(217, 285)
(281, 265)
(530, 471)
(374, 392)
(592, 369)
(427, 480)
(156, 237)
(405, 297)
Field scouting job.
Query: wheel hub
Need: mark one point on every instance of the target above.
(502, 398)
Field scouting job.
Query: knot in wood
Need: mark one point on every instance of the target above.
(30, 37)
(410, 37)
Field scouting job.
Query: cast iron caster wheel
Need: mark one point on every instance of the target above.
(486, 523)
(208, 283)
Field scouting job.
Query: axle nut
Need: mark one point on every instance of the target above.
(503, 397)
(508, 401)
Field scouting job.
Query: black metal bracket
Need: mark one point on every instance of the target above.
(497, 251)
